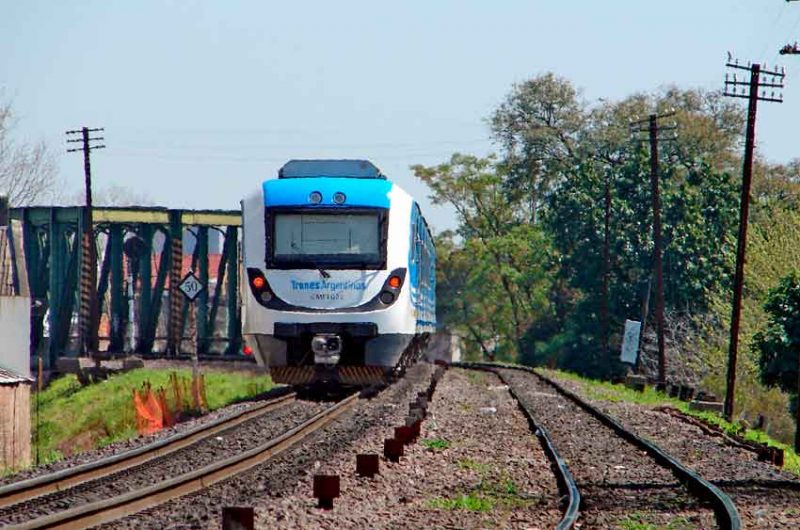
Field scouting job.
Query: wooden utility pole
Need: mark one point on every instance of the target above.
(748, 89)
(89, 313)
(606, 265)
(650, 125)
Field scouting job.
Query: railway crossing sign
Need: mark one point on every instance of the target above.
(190, 286)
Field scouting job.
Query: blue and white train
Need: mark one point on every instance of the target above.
(341, 274)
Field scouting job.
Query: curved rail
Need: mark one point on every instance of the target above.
(564, 478)
(67, 478)
(107, 510)
(724, 509)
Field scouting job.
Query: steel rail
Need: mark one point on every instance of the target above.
(566, 482)
(107, 510)
(724, 508)
(36, 487)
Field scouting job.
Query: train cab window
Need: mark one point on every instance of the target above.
(309, 240)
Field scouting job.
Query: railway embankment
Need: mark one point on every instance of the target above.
(76, 424)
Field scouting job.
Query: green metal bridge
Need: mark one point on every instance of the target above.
(141, 262)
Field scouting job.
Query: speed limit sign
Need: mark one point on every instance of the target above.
(190, 286)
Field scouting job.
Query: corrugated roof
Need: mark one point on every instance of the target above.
(9, 377)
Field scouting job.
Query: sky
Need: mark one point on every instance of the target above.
(201, 101)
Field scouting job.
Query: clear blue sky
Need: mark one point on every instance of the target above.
(201, 101)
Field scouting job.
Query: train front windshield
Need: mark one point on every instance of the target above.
(312, 240)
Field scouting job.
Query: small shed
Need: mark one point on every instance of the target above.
(15, 420)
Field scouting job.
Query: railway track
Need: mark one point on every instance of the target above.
(151, 492)
(68, 478)
(652, 491)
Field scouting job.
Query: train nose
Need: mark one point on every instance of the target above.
(327, 348)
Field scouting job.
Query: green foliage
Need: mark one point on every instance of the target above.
(488, 494)
(474, 465)
(698, 215)
(779, 344)
(471, 502)
(436, 444)
(74, 418)
(486, 283)
(643, 521)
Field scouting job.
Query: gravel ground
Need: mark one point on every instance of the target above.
(278, 477)
(760, 490)
(134, 443)
(505, 476)
(227, 443)
(620, 485)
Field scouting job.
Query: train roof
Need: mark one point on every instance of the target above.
(361, 169)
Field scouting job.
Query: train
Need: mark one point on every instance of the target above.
(340, 270)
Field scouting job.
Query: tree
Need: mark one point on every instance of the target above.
(538, 127)
(114, 195)
(27, 172)
(496, 277)
(778, 344)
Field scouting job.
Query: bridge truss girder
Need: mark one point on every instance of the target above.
(54, 254)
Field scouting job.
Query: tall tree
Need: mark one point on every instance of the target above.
(492, 262)
(538, 128)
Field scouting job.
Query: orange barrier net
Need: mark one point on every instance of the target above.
(155, 410)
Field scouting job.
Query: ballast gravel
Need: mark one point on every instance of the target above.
(765, 496)
(475, 465)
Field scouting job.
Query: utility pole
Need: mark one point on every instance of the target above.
(737, 88)
(606, 264)
(89, 314)
(650, 125)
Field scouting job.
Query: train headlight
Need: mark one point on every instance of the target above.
(265, 297)
(315, 197)
(395, 282)
(258, 282)
(387, 297)
(339, 197)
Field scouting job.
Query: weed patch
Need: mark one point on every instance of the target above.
(435, 444)
(471, 502)
(638, 521)
(468, 463)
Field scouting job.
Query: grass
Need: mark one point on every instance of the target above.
(435, 444)
(486, 496)
(468, 463)
(605, 391)
(493, 490)
(470, 502)
(638, 521)
(73, 418)
(476, 377)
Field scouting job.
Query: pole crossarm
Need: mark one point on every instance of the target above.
(790, 49)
